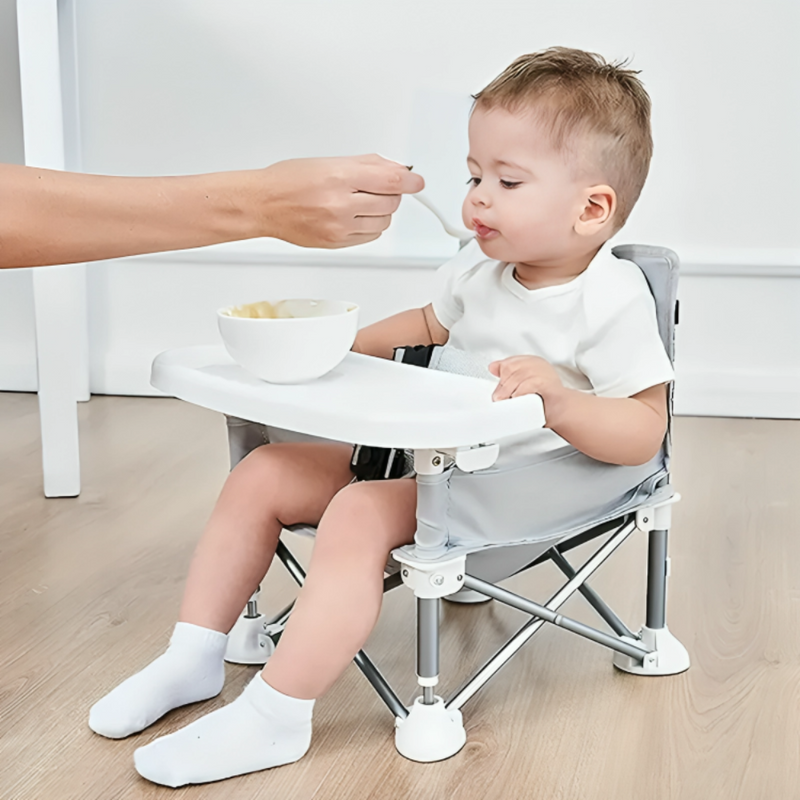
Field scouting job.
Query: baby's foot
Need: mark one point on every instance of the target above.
(262, 728)
(192, 669)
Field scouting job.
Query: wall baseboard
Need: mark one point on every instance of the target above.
(737, 394)
(708, 262)
(16, 376)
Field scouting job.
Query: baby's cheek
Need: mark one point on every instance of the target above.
(466, 213)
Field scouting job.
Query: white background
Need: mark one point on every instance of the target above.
(180, 86)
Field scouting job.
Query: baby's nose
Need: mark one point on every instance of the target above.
(478, 197)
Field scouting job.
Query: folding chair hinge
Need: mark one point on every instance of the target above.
(645, 519)
(658, 517)
(467, 459)
(431, 579)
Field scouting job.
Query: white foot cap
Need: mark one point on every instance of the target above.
(429, 732)
(669, 656)
(248, 642)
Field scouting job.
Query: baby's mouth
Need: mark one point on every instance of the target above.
(483, 231)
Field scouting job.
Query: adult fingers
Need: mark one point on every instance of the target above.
(363, 204)
(378, 175)
(368, 225)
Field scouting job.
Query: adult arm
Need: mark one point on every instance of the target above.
(50, 217)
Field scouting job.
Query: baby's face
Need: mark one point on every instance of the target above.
(524, 196)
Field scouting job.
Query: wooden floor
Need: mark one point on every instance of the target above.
(90, 589)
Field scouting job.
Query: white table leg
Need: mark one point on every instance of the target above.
(55, 293)
(59, 292)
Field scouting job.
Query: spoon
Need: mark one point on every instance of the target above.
(462, 234)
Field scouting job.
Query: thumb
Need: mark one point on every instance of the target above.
(494, 368)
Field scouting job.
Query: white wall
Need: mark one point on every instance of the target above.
(196, 85)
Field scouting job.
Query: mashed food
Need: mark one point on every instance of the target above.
(262, 310)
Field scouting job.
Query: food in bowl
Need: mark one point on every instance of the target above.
(289, 341)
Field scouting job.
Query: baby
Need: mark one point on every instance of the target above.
(559, 150)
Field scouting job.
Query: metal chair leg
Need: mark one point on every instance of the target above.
(667, 655)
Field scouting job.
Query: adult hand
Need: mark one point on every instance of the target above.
(332, 202)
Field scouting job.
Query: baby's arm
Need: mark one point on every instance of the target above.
(412, 327)
(625, 430)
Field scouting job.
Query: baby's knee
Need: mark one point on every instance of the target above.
(353, 503)
(262, 464)
(365, 516)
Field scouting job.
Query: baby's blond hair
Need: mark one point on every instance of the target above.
(584, 100)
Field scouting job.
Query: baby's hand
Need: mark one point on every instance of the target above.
(525, 375)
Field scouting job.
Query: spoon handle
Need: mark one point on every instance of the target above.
(462, 234)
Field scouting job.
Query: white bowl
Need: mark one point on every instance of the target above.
(293, 341)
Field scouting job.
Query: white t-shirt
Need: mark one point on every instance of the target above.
(598, 331)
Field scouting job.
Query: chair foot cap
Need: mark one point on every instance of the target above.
(429, 732)
(249, 642)
(668, 656)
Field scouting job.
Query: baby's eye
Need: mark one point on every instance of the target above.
(473, 182)
(509, 184)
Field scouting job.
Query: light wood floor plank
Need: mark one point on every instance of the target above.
(89, 590)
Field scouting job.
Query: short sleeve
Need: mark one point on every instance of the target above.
(447, 302)
(624, 355)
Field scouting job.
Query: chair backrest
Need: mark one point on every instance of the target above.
(660, 267)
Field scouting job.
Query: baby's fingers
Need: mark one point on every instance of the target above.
(505, 388)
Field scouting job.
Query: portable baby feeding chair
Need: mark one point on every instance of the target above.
(432, 729)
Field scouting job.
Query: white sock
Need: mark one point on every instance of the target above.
(262, 728)
(192, 669)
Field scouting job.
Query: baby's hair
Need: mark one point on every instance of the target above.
(580, 96)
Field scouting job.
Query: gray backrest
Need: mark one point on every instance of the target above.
(660, 267)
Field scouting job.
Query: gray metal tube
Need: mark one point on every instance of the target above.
(380, 685)
(282, 616)
(515, 601)
(427, 642)
(614, 622)
(430, 540)
(291, 563)
(657, 579)
(504, 654)
(252, 609)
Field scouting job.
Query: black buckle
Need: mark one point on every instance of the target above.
(377, 463)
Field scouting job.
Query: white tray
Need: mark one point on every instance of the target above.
(365, 400)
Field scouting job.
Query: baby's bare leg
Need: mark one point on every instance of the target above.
(275, 486)
(269, 724)
(341, 598)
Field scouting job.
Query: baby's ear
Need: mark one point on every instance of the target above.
(600, 203)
